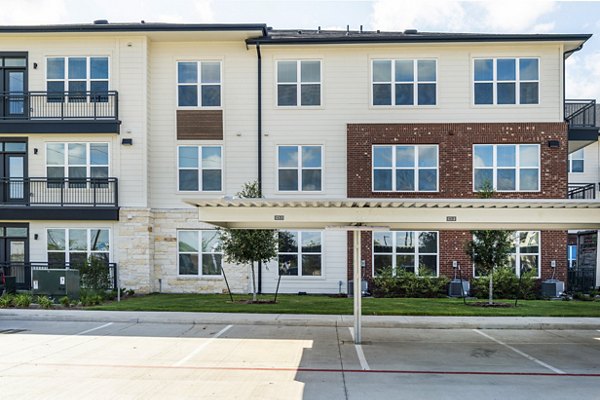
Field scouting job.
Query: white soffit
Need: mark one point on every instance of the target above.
(439, 214)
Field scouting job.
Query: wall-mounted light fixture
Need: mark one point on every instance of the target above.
(554, 144)
(35, 151)
(35, 236)
(34, 65)
(127, 141)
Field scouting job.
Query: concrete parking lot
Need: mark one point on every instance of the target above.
(127, 360)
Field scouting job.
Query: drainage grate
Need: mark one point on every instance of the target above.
(11, 331)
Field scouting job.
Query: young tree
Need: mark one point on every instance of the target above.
(489, 249)
(249, 246)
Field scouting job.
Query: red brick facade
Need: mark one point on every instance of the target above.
(452, 247)
(455, 143)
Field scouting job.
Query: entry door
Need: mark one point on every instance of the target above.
(14, 254)
(14, 86)
(13, 175)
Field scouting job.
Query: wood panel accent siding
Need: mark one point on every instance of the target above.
(199, 124)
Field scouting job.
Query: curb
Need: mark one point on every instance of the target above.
(407, 322)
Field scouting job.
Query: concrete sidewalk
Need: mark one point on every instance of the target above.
(303, 319)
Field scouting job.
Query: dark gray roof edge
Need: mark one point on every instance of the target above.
(132, 27)
(418, 38)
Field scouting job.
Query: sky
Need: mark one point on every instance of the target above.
(490, 16)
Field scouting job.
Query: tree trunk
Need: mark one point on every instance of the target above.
(253, 283)
(491, 289)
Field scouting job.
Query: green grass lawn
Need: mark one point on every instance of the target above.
(294, 304)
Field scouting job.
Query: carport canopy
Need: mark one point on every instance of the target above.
(397, 214)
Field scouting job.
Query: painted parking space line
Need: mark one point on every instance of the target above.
(527, 356)
(201, 347)
(360, 353)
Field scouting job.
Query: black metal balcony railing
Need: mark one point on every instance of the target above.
(89, 192)
(581, 280)
(60, 105)
(22, 271)
(582, 191)
(580, 113)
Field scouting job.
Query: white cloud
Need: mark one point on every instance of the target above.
(32, 12)
(514, 15)
(583, 76)
(453, 16)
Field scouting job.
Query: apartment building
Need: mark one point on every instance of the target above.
(110, 132)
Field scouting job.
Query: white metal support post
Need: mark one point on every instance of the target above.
(357, 276)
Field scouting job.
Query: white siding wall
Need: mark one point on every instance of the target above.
(334, 270)
(346, 89)
(591, 166)
(127, 65)
(239, 95)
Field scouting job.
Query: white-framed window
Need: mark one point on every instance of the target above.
(572, 255)
(300, 168)
(506, 80)
(77, 75)
(77, 245)
(77, 160)
(199, 83)
(404, 82)
(405, 168)
(298, 83)
(199, 253)
(506, 167)
(200, 168)
(525, 255)
(413, 251)
(576, 161)
(300, 253)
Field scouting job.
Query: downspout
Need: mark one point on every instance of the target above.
(259, 143)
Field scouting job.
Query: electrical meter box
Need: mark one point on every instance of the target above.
(56, 282)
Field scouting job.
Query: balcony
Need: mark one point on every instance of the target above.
(581, 115)
(59, 112)
(59, 199)
(22, 272)
(582, 191)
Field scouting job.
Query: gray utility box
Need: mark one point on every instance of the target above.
(364, 286)
(458, 288)
(56, 282)
(552, 288)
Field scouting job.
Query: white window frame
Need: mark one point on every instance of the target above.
(299, 254)
(416, 253)
(517, 167)
(88, 166)
(88, 74)
(200, 253)
(88, 251)
(572, 262)
(517, 254)
(415, 82)
(573, 158)
(300, 168)
(495, 81)
(199, 148)
(199, 85)
(416, 168)
(299, 83)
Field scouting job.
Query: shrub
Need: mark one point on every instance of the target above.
(22, 300)
(65, 301)
(44, 302)
(407, 284)
(94, 275)
(90, 298)
(6, 300)
(506, 285)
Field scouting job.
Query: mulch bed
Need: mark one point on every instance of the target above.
(254, 302)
